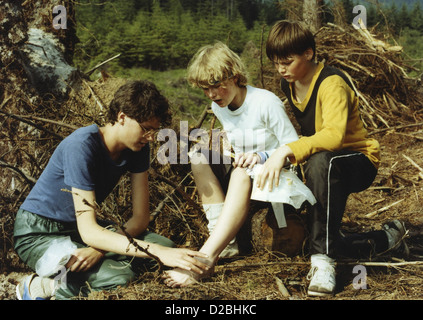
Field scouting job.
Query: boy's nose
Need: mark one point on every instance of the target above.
(281, 69)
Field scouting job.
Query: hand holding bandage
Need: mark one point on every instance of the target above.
(272, 167)
(290, 189)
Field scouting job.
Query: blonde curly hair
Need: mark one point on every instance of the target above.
(213, 64)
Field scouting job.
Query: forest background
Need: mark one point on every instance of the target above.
(156, 39)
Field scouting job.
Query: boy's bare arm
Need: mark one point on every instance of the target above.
(140, 218)
(100, 238)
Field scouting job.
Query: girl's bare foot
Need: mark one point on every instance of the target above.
(182, 278)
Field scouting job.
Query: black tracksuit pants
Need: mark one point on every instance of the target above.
(332, 176)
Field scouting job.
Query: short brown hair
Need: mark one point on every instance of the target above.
(141, 101)
(287, 38)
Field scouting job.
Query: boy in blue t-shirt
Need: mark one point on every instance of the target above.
(89, 163)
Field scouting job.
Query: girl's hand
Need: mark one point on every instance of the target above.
(244, 160)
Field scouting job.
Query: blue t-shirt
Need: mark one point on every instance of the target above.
(81, 161)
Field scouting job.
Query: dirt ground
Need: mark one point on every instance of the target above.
(395, 194)
(256, 277)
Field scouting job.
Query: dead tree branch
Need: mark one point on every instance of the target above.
(29, 179)
(31, 123)
(145, 250)
(179, 190)
(101, 64)
(203, 116)
(59, 123)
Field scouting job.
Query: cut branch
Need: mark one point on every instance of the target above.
(374, 213)
(415, 165)
(54, 134)
(397, 127)
(145, 250)
(29, 179)
(282, 289)
(101, 64)
(202, 117)
(97, 99)
(339, 262)
(59, 123)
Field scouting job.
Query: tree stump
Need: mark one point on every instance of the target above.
(266, 235)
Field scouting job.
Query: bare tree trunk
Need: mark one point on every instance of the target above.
(34, 56)
(312, 14)
(35, 75)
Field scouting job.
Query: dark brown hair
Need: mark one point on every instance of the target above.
(287, 38)
(141, 101)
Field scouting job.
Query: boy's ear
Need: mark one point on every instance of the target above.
(309, 53)
(121, 117)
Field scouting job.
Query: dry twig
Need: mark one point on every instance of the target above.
(374, 213)
(415, 165)
(281, 287)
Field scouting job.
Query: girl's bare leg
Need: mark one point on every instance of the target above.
(231, 219)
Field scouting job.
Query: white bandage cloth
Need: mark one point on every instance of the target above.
(291, 190)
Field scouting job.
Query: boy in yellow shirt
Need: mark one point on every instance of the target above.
(338, 156)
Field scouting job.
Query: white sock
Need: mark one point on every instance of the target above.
(212, 212)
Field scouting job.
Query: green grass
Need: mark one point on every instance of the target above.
(412, 41)
(187, 102)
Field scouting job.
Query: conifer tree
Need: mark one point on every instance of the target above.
(403, 17)
(416, 18)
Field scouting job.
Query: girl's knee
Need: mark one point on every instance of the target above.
(241, 175)
(152, 237)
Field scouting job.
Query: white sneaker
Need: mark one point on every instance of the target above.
(322, 276)
(212, 212)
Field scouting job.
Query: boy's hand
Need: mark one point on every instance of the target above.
(84, 259)
(244, 160)
(272, 168)
(184, 259)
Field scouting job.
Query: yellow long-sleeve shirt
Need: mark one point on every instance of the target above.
(337, 122)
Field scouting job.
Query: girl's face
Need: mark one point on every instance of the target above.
(225, 93)
(295, 67)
